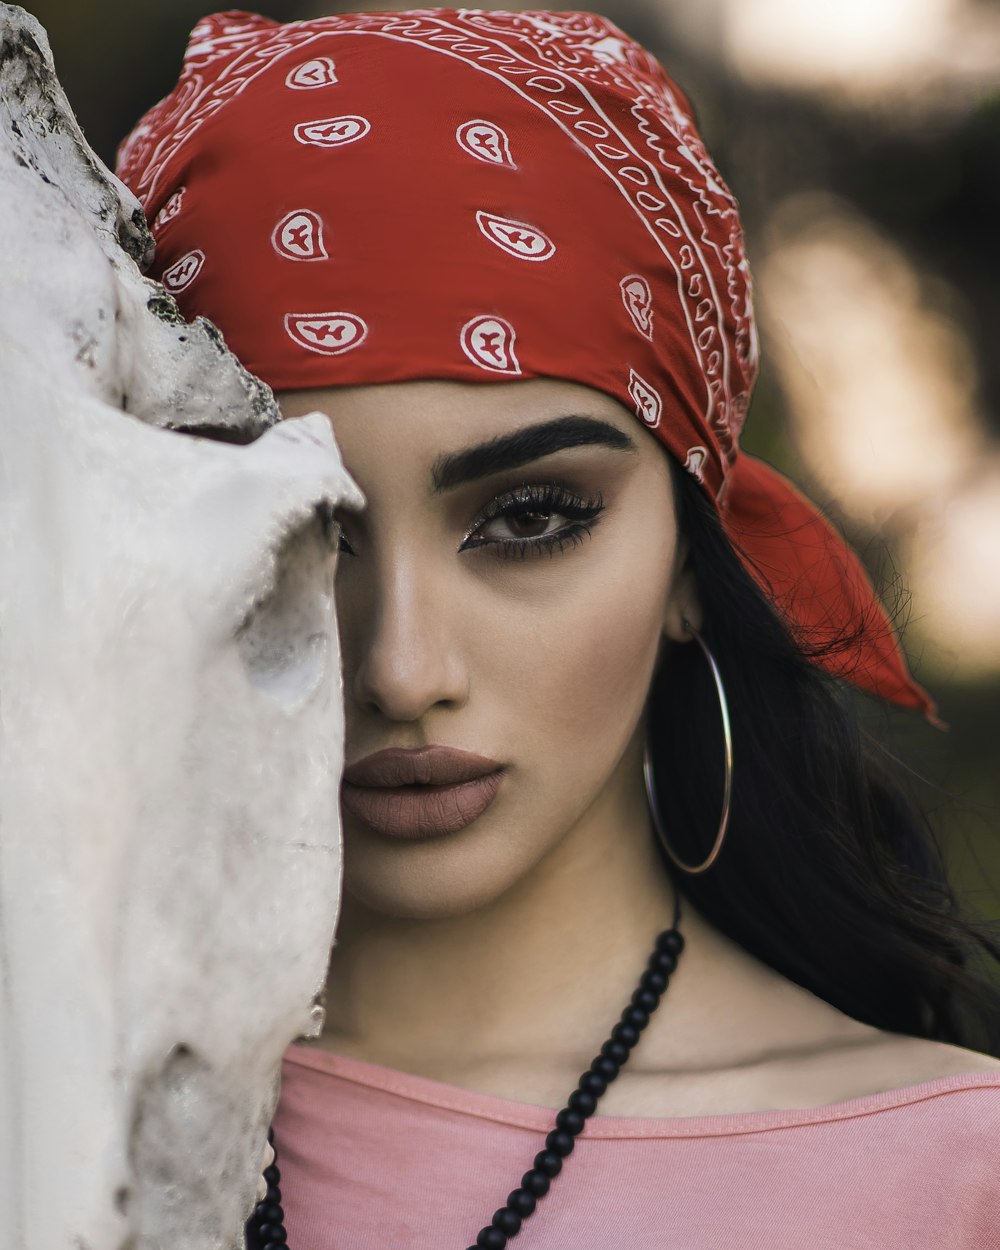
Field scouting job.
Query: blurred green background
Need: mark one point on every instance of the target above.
(863, 142)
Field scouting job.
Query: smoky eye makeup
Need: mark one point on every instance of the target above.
(534, 519)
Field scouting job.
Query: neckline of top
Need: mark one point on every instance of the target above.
(530, 1116)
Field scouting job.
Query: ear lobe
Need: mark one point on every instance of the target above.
(683, 605)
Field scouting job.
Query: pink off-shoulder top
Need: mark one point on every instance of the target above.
(373, 1159)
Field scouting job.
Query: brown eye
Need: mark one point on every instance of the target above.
(534, 519)
(528, 524)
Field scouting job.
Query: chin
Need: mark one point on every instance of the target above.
(437, 878)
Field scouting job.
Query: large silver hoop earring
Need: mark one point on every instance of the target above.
(727, 789)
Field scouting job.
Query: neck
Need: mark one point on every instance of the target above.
(553, 960)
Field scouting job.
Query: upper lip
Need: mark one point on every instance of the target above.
(425, 766)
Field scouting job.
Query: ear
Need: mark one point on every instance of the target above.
(683, 603)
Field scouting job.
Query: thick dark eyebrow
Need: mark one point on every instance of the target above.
(510, 451)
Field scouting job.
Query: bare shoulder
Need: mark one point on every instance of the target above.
(863, 1060)
(828, 1058)
(874, 1061)
(841, 1058)
(920, 1059)
(860, 1061)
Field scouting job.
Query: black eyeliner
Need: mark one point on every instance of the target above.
(548, 497)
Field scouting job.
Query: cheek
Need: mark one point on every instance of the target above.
(579, 658)
(596, 676)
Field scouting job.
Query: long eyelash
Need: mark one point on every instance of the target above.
(547, 497)
(542, 497)
(547, 544)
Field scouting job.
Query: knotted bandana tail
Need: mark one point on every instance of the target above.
(817, 583)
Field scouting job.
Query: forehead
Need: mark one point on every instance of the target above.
(429, 417)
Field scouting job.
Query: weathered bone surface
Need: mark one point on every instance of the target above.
(171, 731)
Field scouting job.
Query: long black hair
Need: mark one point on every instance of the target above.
(829, 872)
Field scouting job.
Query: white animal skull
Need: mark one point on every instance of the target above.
(171, 731)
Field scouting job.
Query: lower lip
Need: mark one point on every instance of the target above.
(421, 811)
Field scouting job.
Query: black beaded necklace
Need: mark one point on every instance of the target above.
(265, 1230)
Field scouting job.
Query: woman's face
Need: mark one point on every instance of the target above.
(504, 593)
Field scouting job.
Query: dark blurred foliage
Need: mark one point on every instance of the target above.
(933, 187)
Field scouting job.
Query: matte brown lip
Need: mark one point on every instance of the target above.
(424, 766)
(422, 793)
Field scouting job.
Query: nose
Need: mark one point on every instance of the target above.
(402, 659)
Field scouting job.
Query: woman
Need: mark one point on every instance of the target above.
(491, 246)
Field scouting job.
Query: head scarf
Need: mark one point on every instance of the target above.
(483, 196)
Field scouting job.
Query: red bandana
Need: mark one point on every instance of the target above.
(483, 196)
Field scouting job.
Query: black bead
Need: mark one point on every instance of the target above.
(615, 1050)
(663, 961)
(549, 1162)
(269, 1212)
(595, 1082)
(270, 1136)
(272, 1175)
(582, 1100)
(521, 1201)
(507, 1221)
(491, 1238)
(273, 1194)
(570, 1121)
(648, 1000)
(670, 940)
(560, 1143)
(273, 1234)
(537, 1182)
(653, 979)
(276, 1245)
(635, 1016)
(605, 1066)
(627, 1034)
